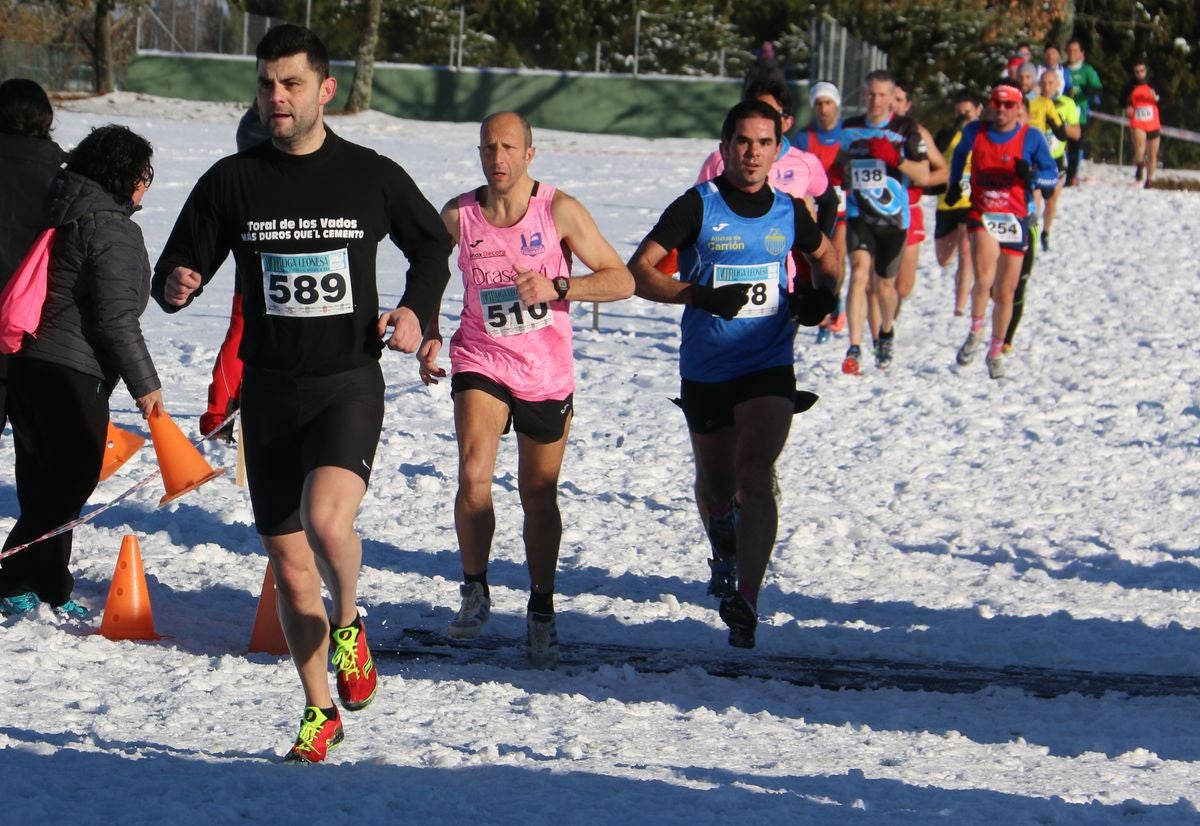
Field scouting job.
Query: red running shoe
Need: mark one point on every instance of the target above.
(318, 734)
(850, 366)
(356, 682)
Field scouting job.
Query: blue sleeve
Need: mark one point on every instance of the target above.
(1037, 153)
(800, 140)
(958, 162)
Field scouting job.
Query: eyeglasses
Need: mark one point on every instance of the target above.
(147, 177)
(1005, 104)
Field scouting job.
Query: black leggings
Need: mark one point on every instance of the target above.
(60, 424)
(1019, 297)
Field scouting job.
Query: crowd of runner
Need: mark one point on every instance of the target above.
(762, 244)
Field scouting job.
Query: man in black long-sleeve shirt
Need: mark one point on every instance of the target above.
(303, 215)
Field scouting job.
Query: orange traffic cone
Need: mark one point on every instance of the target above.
(182, 466)
(267, 636)
(127, 614)
(119, 446)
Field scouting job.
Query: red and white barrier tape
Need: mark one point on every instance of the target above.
(92, 514)
(1169, 131)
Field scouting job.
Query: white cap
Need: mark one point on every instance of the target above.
(825, 89)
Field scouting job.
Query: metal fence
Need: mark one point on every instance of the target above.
(213, 26)
(839, 56)
(206, 26)
(56, 67)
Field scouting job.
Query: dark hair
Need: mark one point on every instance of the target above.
(114, 157)
(1007, 81)
(908, 89)
(774, 86)
(1080, 42)
(288, 39)
(965, 95)
(750, 109)
(25, 109)
(879, 76)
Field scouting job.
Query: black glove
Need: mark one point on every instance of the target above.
(1059, 130)
(721, 301)
(953, 193)
(1024, 171)
(809, 305)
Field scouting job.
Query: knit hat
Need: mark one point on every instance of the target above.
(824, 89)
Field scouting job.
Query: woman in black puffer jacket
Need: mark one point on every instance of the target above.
(88, 339)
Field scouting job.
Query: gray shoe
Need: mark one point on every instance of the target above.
(995, 367)
(966, 353)
(474, 613)
(541, 640)
(884, 352)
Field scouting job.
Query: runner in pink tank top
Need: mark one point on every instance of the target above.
(512, 362)
(525, 349)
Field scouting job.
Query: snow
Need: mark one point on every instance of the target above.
(928, 514)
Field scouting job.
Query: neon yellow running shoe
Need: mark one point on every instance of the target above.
(356, 678)
(318, 734)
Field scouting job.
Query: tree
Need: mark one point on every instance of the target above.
(364, 61)
(1161, 32)
(103, 75)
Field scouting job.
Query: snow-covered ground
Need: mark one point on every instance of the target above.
(928, 514)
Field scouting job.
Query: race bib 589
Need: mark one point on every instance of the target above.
(307, 284)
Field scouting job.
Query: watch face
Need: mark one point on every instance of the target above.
(561, 285)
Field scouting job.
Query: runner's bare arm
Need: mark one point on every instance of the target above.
(939, 169)
(828, 269)
(917, 171)
(652, 284)
(610, 279)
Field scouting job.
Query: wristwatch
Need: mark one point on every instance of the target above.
(561, 285)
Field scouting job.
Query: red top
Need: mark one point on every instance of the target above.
(1143, 100)
(995, 186)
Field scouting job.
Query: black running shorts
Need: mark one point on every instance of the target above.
(948, 220)
(544, 422)
(708, 406)
(885, 244)
(294, 425)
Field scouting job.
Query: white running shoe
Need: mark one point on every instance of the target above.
(995, 367)
(966, 353)
(474, 613)
(541, 640)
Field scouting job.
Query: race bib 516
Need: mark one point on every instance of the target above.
(307, 284)
(1143, 113)
(763, 299)
(505, 315)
